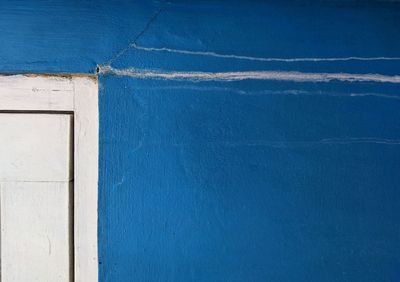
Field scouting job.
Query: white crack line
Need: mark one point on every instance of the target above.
(250, 75)
(260, 59)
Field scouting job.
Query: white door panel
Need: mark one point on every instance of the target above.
(36, 196)
(35, 147)
(35, 232)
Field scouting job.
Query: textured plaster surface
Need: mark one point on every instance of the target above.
(240, 141)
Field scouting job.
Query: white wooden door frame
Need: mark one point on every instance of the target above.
(78, 95)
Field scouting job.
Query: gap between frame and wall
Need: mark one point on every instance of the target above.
(76, 95)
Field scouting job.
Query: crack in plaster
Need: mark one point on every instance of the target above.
(244, 75)
(140, 34)
(294, 76)
(261, 59)
(119, 183)
(360, 140)
(327, 141)
(293, 92)
(283, 144)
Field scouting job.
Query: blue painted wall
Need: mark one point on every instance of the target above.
(251, 180)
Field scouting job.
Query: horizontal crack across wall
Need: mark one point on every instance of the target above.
(250, 75)
(260, 59)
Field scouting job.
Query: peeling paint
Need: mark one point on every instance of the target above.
(250, 75)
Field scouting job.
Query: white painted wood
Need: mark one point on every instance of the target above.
(35, 232)
(35, 147)
(35, 211)
(22, 92)
(86, 178)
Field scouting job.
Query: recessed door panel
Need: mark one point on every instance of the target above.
(36, 196)
(35, 233)
(35, 147)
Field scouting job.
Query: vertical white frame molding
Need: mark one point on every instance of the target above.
(78, 95)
